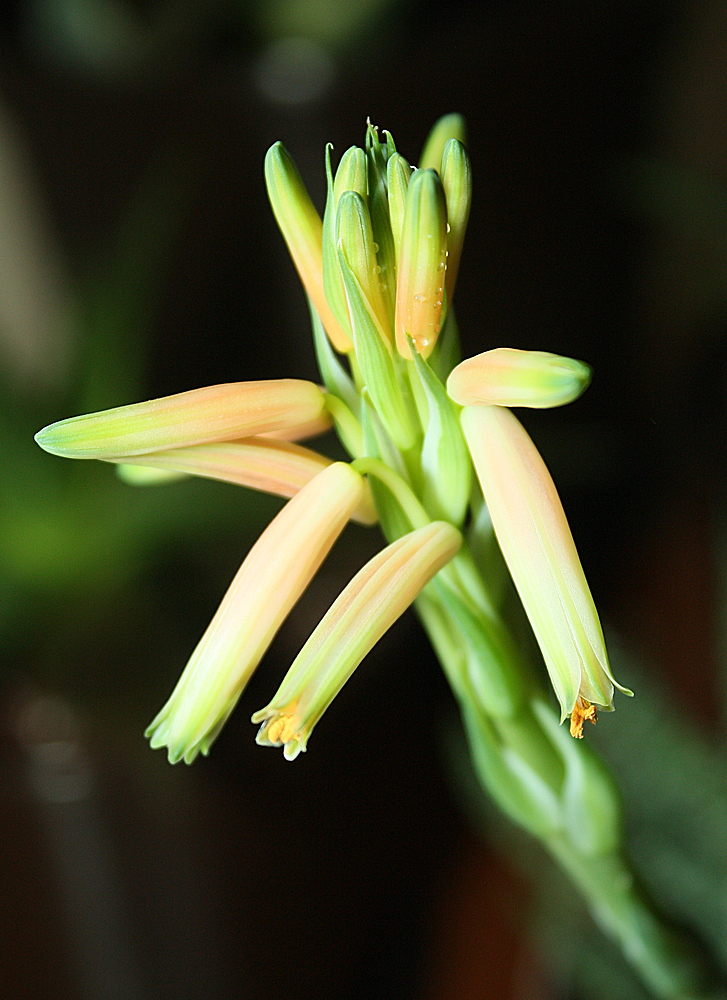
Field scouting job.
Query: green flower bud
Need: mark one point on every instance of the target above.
(493, 666)
(373, 354)
(445, 461)
(301, 227)
(377, 154)
(448, 127)
(350, 176)
(422, 262)
(457, 184)
(398, 175)
(356, 240)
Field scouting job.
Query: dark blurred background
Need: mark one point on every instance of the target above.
(138, 257)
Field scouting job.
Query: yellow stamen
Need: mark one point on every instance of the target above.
(281, 730)
(582, 710)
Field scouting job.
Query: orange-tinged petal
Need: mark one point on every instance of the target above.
(277, 467)
(302, 432)
(302, 231)
(421, 265)
(507, 376)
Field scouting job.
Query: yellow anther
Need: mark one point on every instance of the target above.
(583, 710)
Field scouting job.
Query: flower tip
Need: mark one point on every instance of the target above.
(279, 730)
(451, 126)
(159, 733)
(51, 439)
(178, 751)
(292, 749)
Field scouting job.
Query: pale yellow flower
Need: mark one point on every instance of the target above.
(278, 467)
(367, 607)
(537, 544)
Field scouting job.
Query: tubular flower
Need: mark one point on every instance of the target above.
(275, 573)
(538, 547)
(369, 605)
(277, 467)
(421, 265)
(216, 413)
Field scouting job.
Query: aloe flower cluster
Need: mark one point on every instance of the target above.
(379, 270)
(457, 488)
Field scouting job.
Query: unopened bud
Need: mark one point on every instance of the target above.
(448, 127)
(350, 176)
(215, 413)
(398, 174)
(301, 227)
(509, 377)
(356, 240)
(457, 184)
(422, 263)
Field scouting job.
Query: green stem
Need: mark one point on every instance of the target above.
(663, 963)
(402, 492)
(347, 426)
